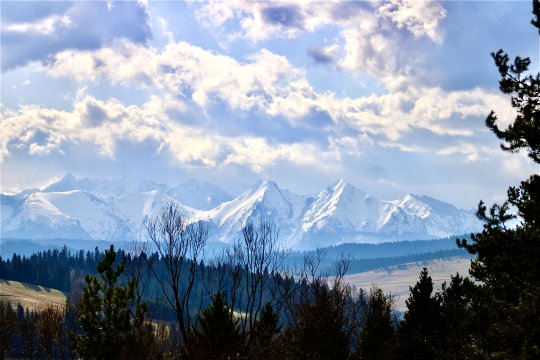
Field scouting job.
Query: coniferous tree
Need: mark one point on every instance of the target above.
(377, 337)
(216, 337)
(29, 345)
(457, 319)
(264, 335)
(104, 313)
(8, 321)
(507, 301)
(319, 329)
(419, 333)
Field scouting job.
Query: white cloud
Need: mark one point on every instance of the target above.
(163, 25)
(268, 83)
(102, 124)
(371, 33)
(50, 28)
(46, 26)
(420, 17)
(262, 20)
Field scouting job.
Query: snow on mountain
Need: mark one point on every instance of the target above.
(199, 195)
(342, 213)
(263, 201)
(119, 209)
(103, 210)
(399, 224)
(96, 216)
(342, 207)
(138, 208)
(35, 217)
(8, 205)
(440, 218)
(70, 182)
(104, 188)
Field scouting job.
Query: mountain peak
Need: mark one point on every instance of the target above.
(423, 205)
(66, 179)
(66, 183)
(201, 195)
(340, 183)
(264, 185)
(342, 188)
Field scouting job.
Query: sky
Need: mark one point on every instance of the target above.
(389, 95)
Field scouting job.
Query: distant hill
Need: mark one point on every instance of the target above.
(33, 297)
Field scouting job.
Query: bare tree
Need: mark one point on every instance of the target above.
(137, 266)
(255, 260)
(49, 328)
(180, 244)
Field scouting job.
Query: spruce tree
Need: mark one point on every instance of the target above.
(264, 335)
(8, 322)
(420, 331)
(216, 336)
(104, 313)
(457, 319)
(507, 299)
(377, 337)
(319, 328)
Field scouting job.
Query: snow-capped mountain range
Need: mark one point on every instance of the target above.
(115, 210)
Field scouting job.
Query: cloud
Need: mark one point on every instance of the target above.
(101, 125)
(270, 86)
(46, 26)
(288, 16)
(372, 35)
(421, 18)
(51, 28)
(266, 81)
(324, 55)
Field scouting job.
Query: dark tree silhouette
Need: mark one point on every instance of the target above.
(264, 332)
(8, 323)
(507, 301)
(255, 259)
(319, 329)
(49, 328)
(377, 337)
(457, 319)
(216, 336)
(420, 332)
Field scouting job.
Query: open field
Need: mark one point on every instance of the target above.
(396, 280)
(30, 296)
